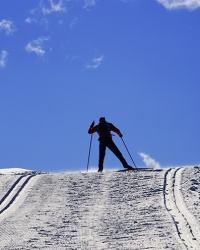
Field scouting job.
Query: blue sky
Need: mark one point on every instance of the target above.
(65, 63)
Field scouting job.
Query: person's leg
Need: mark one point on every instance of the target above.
(111, 145)
(102, 153)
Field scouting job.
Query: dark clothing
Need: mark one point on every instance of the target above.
(105, 140)
(108, 142)
(103, 129)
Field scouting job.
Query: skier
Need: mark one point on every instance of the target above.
(105, 140)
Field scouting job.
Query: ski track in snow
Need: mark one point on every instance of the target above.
(191, 190)
(12, 195)
(99, 211)
(186, 224)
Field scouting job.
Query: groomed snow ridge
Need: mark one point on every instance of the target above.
(102, 211)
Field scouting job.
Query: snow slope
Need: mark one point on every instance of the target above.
(102, 211)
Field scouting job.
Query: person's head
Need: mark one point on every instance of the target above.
(102, 119)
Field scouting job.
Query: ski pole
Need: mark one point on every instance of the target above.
(89, 152)
(129, 154)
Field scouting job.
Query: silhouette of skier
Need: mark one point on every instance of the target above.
(104, 128)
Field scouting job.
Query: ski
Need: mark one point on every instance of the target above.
(139, 169)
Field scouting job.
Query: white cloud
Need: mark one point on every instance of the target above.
(53, 7)
(36, 46)
(3, 58)
(149, 162)
(89, 3)
(96, 62)
(30, 20)
(8, 26)
(175, 4)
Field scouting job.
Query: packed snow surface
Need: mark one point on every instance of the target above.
(100, 211)
(13, 170)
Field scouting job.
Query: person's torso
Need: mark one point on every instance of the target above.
(103, 129)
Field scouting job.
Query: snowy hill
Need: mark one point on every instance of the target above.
(102, 211)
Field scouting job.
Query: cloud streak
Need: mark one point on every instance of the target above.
(95, 63)
(8, 26)
(178, 4)
(36, 46)
(89, 3)
(149, 162)
(3, 58)
(30, 20)
(53, 7)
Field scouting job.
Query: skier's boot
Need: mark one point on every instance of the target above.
(100, 169)
(128, 167)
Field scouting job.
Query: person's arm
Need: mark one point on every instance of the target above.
(116, 130)
(92, 128)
